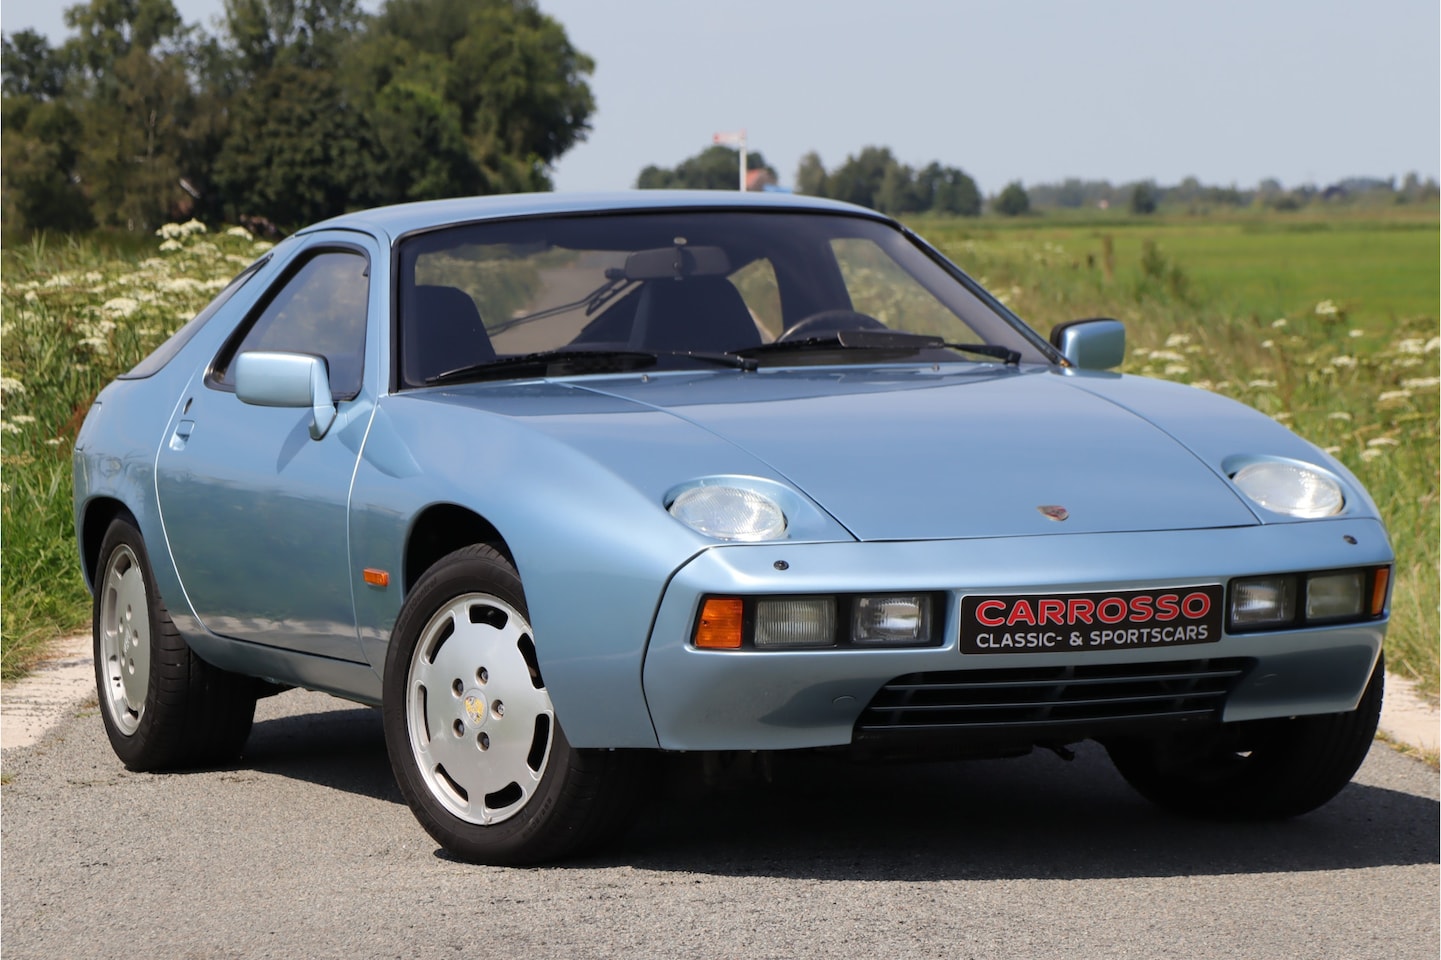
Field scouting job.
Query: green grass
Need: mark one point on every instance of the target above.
(1326, 322)
(73, 314)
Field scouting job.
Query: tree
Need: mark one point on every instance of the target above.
(1143, 197)
(716, 167)
(811, 176)
(948, 190)
(859, 179)
(298, 150)
(131, 89)
(31, 67)
(1013, 200)
(41, 144)
(510, 72)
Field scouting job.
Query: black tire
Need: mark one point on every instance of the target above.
(472, 735)
(1258, 770)
(163, 706)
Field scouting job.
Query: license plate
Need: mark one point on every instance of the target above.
(1075, 622)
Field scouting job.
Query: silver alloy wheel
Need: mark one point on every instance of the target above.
(480, 721)
(124, 639)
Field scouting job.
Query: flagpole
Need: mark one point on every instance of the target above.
(738, 137)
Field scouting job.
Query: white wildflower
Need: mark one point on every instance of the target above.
(260, 246)
(121, 306)
(1204, 385)
(240, 232)
(31, 296)
(22, 418)
(53, 442)
(1338, 415)
(1175, 369)
(7, 427)
(1433, 344)
(1411, 345)
(1370, 453)
(11, 385)
(1279, 322)
(171, 245)
(181, 285)
(1422, 383)
(1383, 442)
(1332, 450)
(1281, 417)
(1327, 308)
(1166, 355)
(1261, 384)
(1387, 396)
(1268, 344)
(1178, 339)
(1343, 361)
(1354, 334)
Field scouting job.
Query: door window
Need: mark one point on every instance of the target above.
(318, 309)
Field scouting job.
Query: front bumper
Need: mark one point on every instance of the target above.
(773, 700)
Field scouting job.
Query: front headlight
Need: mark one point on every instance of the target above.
(730, 513)
(1294, 489)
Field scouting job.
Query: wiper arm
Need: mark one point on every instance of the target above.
(881, 341)
(583, 361)
(615, 282)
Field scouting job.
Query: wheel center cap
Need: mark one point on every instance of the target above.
(475, 707)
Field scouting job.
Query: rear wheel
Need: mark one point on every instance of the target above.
(161, 704)
(1263, 769)
(471, 730)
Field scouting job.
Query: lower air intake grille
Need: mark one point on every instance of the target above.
(1086, 696)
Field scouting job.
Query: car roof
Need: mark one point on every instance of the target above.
(404, 218)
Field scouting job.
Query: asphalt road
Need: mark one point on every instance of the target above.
(304, 849)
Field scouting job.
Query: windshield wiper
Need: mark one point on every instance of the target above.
(615, 282)
(879, 341)
(579, 361)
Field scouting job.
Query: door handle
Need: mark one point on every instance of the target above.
(182, 434)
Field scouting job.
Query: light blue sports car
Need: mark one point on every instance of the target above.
(561, 482)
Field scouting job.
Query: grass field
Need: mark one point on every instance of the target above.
(1327, 323)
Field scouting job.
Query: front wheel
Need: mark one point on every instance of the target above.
(472, 733)
(1257, 770)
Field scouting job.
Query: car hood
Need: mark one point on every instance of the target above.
(929, 454)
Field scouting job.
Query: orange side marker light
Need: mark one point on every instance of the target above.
(720, 624)
(1378, 591)
(376, 578)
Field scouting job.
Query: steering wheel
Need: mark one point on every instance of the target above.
(830, 321)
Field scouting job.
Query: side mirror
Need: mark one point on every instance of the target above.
(287, 380)
(1095, 344)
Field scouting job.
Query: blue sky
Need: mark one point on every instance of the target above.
(1035, 90)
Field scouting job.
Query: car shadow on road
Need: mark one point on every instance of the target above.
(1034, 817)
(343, 749)
(820, 817)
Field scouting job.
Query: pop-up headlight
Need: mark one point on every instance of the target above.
(1295, 489)
(729, 513)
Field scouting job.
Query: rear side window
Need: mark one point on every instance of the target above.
(163, 354)
(320, 309)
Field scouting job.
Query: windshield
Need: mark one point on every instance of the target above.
(482, 297)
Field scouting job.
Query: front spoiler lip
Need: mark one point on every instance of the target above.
(760, 700)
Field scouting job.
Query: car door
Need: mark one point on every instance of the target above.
(254, 509)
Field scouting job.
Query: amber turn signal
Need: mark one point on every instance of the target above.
(1378, 591)
(720, 626)
(376, 578)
